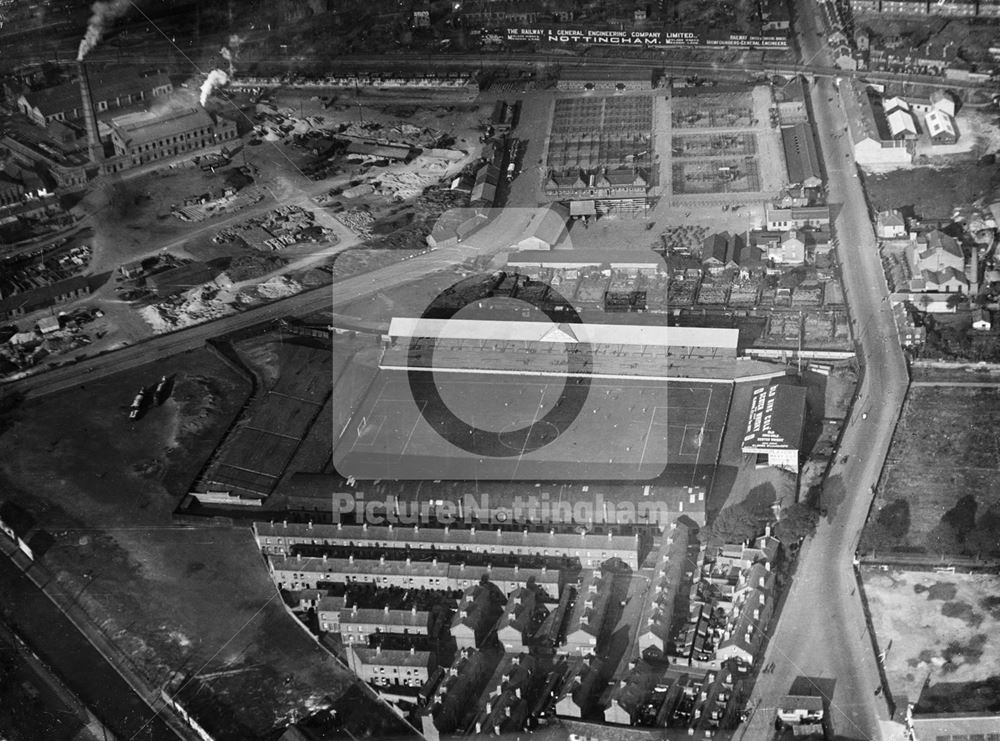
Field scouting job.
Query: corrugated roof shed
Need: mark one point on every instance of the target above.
(801, 157)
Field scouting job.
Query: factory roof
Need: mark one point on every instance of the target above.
(612, 74)
(800, 153)
(105, 84)
(860, 114)
(374, 149)
(140, 128)
(598, 334)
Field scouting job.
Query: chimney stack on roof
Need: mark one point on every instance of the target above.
(94, 147)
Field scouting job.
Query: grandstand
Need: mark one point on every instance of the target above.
(611, 351)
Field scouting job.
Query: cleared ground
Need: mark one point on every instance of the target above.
(527, 428)
(939, 490)
(173, 599)
(936, 628)
(932, 192)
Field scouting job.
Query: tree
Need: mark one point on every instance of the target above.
(943, 539)
(962, 517)
(796, 522)
(738, 523)
(895, 518)
(984, 539)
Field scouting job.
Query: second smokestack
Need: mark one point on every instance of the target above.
(94, 146)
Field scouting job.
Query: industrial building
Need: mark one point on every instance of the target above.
(111, 89)
(802, 160)
(54, 294)
(147, 137)
(924, 8)
(605, 79)
(872, 143)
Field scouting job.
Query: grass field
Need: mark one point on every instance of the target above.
(932, 192)
(173, 599)
(936, 627)
(627, 429)
(939, 490)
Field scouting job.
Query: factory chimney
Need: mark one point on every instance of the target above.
(94, 146)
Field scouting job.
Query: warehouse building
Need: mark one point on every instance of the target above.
(801, 158)
(61, 292)
(605, 79)
(180, 279)
(395, 152)
(145, 137)
(872, 144)
(112, 89)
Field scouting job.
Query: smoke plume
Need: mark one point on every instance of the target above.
(102, 13)
(228, 56)
(215, 78)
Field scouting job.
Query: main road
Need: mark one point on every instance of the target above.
(822, 633)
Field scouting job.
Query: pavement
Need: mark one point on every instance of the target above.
(822, 632)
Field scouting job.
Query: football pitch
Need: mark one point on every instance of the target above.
(523, 427)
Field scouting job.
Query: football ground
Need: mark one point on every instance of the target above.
(522, 427)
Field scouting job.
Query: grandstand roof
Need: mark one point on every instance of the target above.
(777, 416)
(583, 258)
(597, 334)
